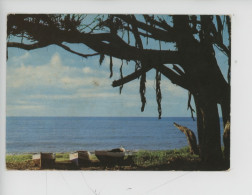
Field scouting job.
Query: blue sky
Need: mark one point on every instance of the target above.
(53, 82)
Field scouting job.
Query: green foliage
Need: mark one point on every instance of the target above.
(18, 158)
(152, 158)
(93, 157)
(177, 159)
(62, 156)
(65, 157)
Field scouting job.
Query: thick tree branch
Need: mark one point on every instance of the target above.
(131, 77)
(136, 33)
(105, 43)
(27, 46)
(189, 106)
(161, 23)
(119, 49)
(168, 36)
(145, 35)
(115, 46)
(175, 78)
(74, 52)
(223, 48)
(180, 72)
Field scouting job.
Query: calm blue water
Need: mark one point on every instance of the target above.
(66, 134)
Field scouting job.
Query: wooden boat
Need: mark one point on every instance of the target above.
(80, 157)
(44, 160)
(113, 156)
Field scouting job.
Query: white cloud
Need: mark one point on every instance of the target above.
(56, 61)
(25, 110)
(25, 107)
(65, 82)
(172, 88)
(166, 86)
(30, 76)
(71, 83)
(54, 74)
(18, 59)
(98, 83)
(87, 70)
(73, 96)
(25, 56)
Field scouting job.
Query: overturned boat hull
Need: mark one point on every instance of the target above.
(110, 157)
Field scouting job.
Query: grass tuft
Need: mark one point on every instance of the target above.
(153, 158)
(18, 158)
(61, 157)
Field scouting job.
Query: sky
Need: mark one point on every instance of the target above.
(53, 82)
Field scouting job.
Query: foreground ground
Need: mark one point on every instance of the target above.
(142, 160)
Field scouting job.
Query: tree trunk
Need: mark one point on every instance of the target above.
(199, 125)
(226, 140)
(225, 107)
(206, 83)
(208, 129)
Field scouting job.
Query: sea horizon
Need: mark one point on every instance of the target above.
(68, 134)
(109, 116)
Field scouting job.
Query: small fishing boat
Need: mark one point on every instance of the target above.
(44, 160)
(113, 156)
(80, 157)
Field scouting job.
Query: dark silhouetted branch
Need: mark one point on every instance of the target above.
(175, 78)
(131, 77)
(77, 53)
(27, 46)
(158, 93)
(189, 106)
(176, 68)
(157, 33)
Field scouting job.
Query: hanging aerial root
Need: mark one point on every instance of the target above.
(101, 58)
(158, 93)
(142, 91)
(121, 77)
(111, 67)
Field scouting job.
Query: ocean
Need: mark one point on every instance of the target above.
(68, 134)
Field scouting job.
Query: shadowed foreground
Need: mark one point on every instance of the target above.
(141, 160)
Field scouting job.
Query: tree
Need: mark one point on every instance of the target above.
(193, 60)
